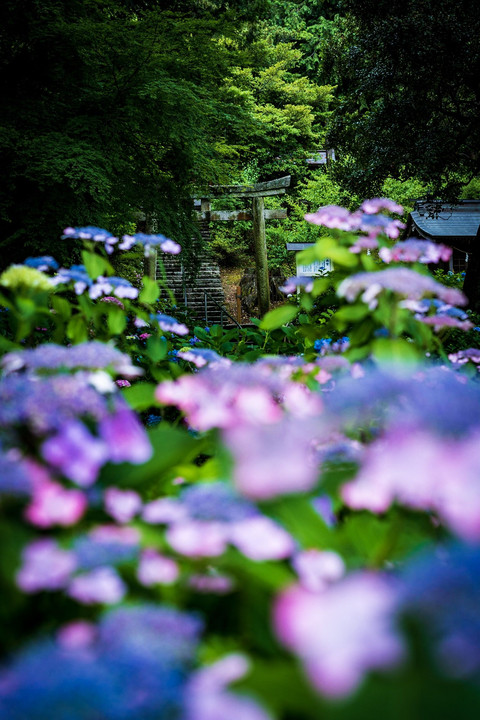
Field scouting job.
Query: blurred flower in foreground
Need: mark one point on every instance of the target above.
(441, 590)
(342, 632)
(133, 665)
(209, 699)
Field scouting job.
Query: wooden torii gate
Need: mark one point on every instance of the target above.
(258, 214)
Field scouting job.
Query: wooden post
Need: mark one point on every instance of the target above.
(263, 289)
(238, 298)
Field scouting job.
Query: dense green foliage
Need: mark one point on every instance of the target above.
(409, 92)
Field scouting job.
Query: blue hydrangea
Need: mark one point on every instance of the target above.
(44, 263)
(135, 668)
(216, 501)
(441, 589)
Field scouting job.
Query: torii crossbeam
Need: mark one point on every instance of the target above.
(258, 214)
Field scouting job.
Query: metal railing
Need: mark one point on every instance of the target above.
(223, 311)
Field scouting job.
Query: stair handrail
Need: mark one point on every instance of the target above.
(208, 297)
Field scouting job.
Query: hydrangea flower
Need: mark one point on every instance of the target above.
(170, 324)
(209, 699)
(343, 632)
(101, 585)
(150, 242)
(365, 219)
(134, 664)
(52, 504)
(294, 283)
(202, 356)
(403, 281)
(122, 505)
(376, 205)
(413, 250)
(17, 277)
(465, 356)
(91, 232)
(156, 569)
(423, 472)
(45, 566)
(441, 591)
(43, 263)
(76, 453)
(91, 355)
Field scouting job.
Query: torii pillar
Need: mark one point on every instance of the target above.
(257, 192)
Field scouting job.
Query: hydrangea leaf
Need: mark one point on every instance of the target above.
(150, 290)
(278, 317)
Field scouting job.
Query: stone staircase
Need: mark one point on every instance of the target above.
(202, 294)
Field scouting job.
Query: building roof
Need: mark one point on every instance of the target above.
(444, 221)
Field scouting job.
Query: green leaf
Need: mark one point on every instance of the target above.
(116, 320)
(156, 348)
(96, 265)
(140, 396)
(150, 290)
(395, 350)
(278, 317)
(76, 329)
(61, 306)
(352, 313)
(299, 517)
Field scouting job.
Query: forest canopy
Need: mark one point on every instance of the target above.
(115, 107)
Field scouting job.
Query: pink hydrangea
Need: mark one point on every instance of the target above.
(52, 505)
(196, 538)
(215, 583)
(273, 460)
(422, 251)
(163, 511)
(45, 566)
(316, 569)
(376, 205)
(403, 281)
(156, 569)
(77, 635)
(101, 585)
(446, 321)
(464, 356)
(423, 472)
(260, 538)
(122, 505)
(342, 633)
(333, 216)
(365, 219)
(208, 698)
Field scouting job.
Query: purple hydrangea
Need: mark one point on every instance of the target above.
(150, 242)
(294, 283)
(413, 250)
(342, 632)
(365, 219)
(202, 356)
(400, 280)
(170, 324)
(84, 356)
